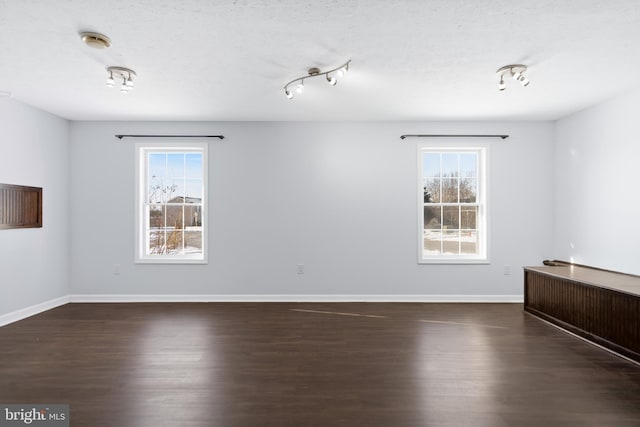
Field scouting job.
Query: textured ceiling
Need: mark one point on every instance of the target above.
(228, 60)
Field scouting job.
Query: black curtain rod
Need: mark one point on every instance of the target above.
(454, 136)
(169, 136)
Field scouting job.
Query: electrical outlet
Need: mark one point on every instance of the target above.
(116, 269)
(507, 270)
(300, 269)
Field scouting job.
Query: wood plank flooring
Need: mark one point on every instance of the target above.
(286, 364)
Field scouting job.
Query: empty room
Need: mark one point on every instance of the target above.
(319, 213)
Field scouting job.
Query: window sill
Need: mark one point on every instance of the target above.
(451, 261)
(172, 261)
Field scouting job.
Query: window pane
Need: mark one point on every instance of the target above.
(469, 242)
(451, 242)
(175, 215)
(431, 164)
(449, 190)
(193, 216)
(155, 193)
(193, 190)
(468, 190)
(174, 242)
(468, 217)
(432, 191)
(193, 165)
(451, 217)
(157, 166)
(192, 242)
(175, 165)
(468, 167)
(432, 243)
(432, 217)
(156, 216)
(156, 242)
(450, 165)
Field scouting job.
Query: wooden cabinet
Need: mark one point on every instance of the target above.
(598, 305)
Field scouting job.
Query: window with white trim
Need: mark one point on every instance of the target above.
(453, 210)
(171, 224)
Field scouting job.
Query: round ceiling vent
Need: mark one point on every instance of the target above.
(96, 40)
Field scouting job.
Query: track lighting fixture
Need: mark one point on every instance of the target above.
(121, 73)
(331, 76)
(516, 71)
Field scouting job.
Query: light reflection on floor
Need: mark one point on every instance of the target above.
(176, 344)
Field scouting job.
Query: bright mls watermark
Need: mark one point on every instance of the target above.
(34, 415)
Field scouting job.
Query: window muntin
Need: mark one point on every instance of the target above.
(171, 203)
(452, 204)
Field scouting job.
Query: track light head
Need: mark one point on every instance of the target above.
(110, 81)
(502, 85)
(332, 80)
(288, 94)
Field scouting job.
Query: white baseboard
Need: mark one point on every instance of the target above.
(23, 313)
(95, 298)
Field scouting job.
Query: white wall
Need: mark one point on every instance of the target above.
(598, 172)
(34, 262)
(339, 198)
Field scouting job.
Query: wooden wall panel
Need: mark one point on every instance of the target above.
(20, 206)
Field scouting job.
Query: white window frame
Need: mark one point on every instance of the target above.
(482, 221)
(141, 171)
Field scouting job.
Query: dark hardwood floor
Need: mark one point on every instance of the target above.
(285, 364)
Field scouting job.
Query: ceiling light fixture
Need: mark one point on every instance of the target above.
(516, 71)
(125, 74)
(95, 40)
(331, 75)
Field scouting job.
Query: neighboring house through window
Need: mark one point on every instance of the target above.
(452, 200)
(171, 203)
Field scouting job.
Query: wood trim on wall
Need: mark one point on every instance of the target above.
(20, 206)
